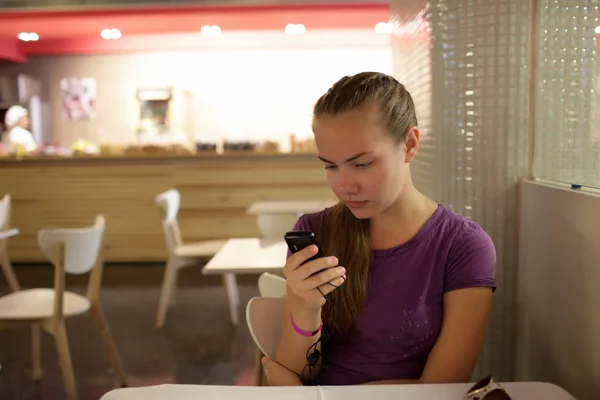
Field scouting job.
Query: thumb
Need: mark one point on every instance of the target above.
(267, 363)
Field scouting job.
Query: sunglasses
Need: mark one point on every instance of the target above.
(487, 389)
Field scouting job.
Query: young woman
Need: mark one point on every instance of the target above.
(417, 278)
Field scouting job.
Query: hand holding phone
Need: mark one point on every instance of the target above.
(311, 275)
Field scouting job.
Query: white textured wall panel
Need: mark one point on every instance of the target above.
(567, 123)
(475, 151)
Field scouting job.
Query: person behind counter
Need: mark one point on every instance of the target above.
(17, 133)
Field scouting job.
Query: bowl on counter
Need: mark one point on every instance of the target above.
(237, 146)
(206, 146)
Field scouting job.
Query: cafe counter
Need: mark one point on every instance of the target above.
(216, 190)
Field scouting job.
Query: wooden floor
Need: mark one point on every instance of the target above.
(198, 345)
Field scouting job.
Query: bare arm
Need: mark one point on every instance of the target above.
(454, 355)
(306, 287)
(292, 348)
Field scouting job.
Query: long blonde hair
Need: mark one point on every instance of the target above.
(342, 234)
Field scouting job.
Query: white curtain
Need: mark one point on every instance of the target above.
(470, 78)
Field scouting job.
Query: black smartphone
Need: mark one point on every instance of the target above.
(298, 240)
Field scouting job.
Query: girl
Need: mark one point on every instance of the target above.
(417, 278)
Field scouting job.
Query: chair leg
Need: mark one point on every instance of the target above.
(109, 343)
(36, 351)
(64, 358)
(236, 289)
(168, 286)
(258, 369)
(233, 295)
(174, 290)
(9, 272)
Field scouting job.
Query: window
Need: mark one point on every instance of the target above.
(567, 98)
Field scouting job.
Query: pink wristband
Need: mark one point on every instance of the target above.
(302, 332)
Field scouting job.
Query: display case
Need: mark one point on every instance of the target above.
(154, 111)
(164, 120)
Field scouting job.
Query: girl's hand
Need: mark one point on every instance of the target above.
(304, 285)
(278, 375)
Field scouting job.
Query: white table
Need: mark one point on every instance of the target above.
(9, 233)
(294, 207)
(248, 256)
(517, 390)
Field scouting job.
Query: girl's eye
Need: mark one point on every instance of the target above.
(330, 166)
(364, 165)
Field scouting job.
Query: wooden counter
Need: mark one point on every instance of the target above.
(215, 191)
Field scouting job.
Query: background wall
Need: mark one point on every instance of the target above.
(250, 85)
(411, 54)
(558, 329)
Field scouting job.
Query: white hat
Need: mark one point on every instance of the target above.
(14, 115)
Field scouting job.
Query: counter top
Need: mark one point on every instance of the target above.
(156, 157)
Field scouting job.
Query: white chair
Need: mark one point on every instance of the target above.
(270, 285)
(182, 255)
(74, 251)
(264, 316)
(7, 269)
(257, 311)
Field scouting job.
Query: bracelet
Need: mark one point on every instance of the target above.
(301, 331)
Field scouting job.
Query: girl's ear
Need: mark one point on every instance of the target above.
(411, 144)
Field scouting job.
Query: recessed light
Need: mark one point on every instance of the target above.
(210, 30)
(110, 34)
(597, 30)
(295, 29)
(28, 37)
(384, 28)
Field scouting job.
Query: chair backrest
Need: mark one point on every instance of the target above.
(82, 246)
(264, 316)
(169, 203)
(270, 285)
(274, 226)
(5, 212)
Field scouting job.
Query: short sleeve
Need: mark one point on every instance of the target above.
(472, 261)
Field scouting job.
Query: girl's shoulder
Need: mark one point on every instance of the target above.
(312, 222)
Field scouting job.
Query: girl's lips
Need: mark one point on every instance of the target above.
(356, 204)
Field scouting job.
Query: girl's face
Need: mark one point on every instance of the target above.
(365, 166)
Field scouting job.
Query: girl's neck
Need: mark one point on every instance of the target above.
(402, 220)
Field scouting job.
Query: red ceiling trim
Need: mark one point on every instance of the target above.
(10, 50)
(77, 25)
(141, 11)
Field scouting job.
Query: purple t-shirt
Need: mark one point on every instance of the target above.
(402, 317)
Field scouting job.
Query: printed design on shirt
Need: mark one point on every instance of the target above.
(414, 333)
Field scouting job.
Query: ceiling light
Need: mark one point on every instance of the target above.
(28, 37)
(295, 29)
(385, 28)
(210, 30)
(597, 30)
(110, 34)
